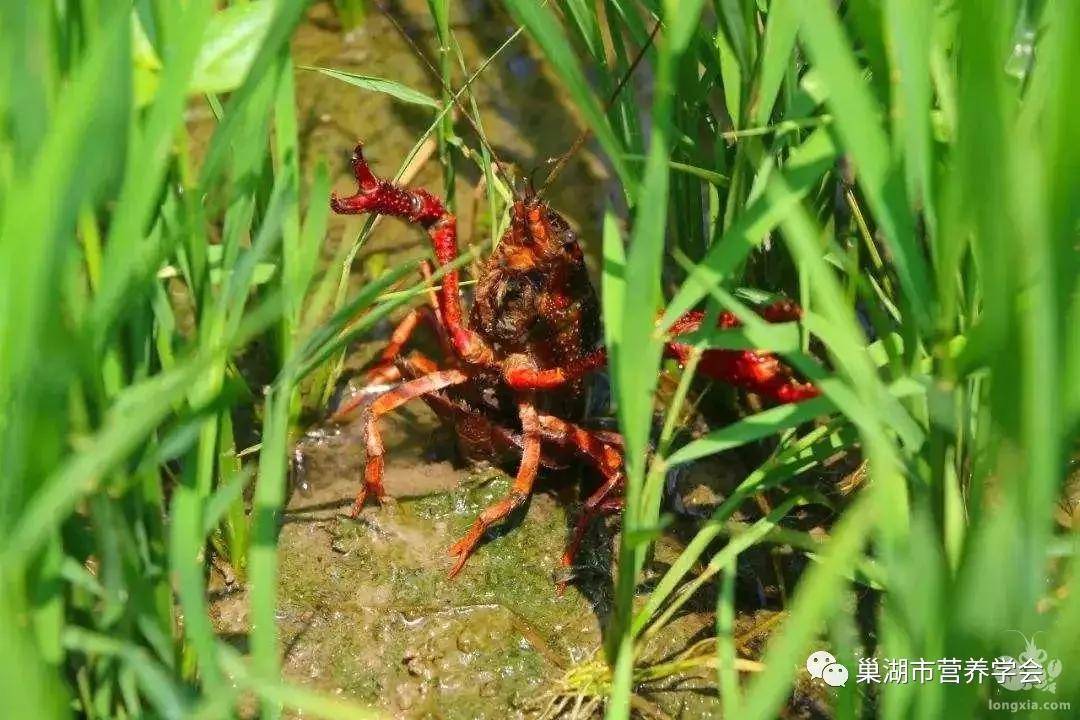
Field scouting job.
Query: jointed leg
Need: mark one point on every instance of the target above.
(776, 312)
(373, 468)
(470, 423)
(521, 373)
(385, 371)
(426, 271)
(596, 447)
(519, 492)
(781, 311)
(605, 457)
(608, 505)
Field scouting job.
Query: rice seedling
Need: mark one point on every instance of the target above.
(138, 273)
(830, 153)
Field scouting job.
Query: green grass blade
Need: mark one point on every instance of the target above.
(262, 557)
(906, 24)
(139, 412)
(392, 88)
(781, 30)
(638, 356)
(147, 164)
(298, 698)
(757, 426)
(804, 171)
(857, 123)
(818, 596)
(169, 699)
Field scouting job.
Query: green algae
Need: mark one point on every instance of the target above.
(385, 625)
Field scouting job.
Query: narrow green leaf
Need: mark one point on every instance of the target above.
(708, 176)
(387, 87)
(136, 414)
(299, 698)
(819, 593)
(781, 29)
(756, 426)
(167, 697)
(805, 168)
(906, 24)
(225, 495)
(545, 30)
(857, 119)
(287, 14)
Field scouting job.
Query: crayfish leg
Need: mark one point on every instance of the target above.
(759, 372)
(603, 455)
(385, 372)
(519, 491)
(581, 527)
(373, 467)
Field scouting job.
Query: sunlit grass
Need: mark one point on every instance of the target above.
(120, 463)
(952, 247)
(907, 169)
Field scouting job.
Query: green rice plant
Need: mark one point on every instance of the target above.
(914, 158)
(908, 169)
(138, 269)
(440, 13)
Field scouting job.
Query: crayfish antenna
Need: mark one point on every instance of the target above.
(531, 190)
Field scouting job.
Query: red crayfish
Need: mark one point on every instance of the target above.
(512, 379)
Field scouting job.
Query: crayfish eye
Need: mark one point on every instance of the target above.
(570, 241)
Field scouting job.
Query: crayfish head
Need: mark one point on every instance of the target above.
(547, 233)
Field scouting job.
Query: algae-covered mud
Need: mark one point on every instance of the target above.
(366, 609)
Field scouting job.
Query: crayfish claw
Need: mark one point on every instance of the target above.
(365, 199)
(364, 177)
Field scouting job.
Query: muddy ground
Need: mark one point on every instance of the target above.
(366, 609)
(367, 612)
